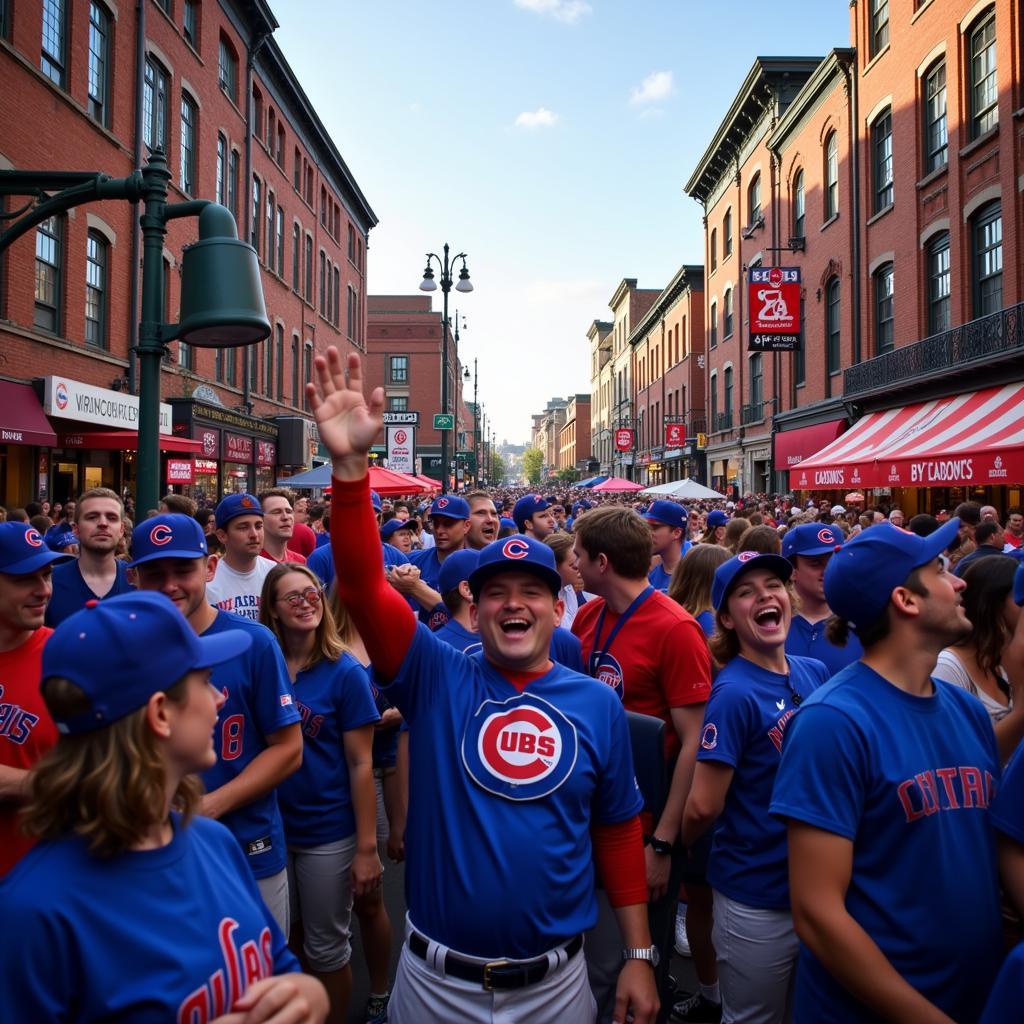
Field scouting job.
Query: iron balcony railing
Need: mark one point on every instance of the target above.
(977, 341)
(723, 421)
(753, 413)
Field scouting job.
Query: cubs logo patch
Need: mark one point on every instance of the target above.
(746, 556)
(826, 536)
(441, 503)
(709, 738)
(247, 502)
(515, 547)
(523, 748)
(160, 535)
(33, 538)
(606, 669)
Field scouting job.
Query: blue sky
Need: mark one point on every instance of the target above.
(548, 139)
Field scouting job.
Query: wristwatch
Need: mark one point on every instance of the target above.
(662, 847)
(648, 953)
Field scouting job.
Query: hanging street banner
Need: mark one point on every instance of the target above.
(675, 435)
(402, 449)
(623, 439)
(774, 304)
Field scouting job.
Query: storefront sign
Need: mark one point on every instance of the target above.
(401, 449)
(774, 304)
(675, 435)
(72, 400)
(623, 439)
(266, 453)
(180, 471)
(210, 440)
(237, 448)
(410, 419)
(188, 410)
(793, 446)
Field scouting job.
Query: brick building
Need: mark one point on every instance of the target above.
(208, 84)
(574, 437)
(403, 355)
(601, 387)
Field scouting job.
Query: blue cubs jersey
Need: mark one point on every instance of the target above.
(908, 781)
(744, 723)
(455, 634)
(706, 621)
(565, 647)
(259, 702)
(1007, 813)
(429, 566)
(321, 561)
(175, 934)
(508, 767)
(659, 577)
(385, 741)
(70, 591)
(1006, 1001)
(333, 697)
(808, 640)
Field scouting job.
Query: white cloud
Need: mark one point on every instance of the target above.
(539, 118)
(566, 11)
(656, 86)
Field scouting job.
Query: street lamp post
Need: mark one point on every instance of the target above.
(221, 293)
(428, 284)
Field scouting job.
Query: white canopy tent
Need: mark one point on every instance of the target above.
(686, 489)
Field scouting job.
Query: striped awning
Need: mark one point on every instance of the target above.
(975, 438)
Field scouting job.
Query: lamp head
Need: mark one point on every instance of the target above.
(464, 285)
(428, 284)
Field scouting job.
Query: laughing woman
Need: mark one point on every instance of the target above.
(752, 699)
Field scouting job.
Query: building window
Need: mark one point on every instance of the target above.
(800, 355)
(714, 401)
(271, 259)
(879, 26)
(189, 119)
(727, 234)
(227, 70)
(256, 112)
(96, 290)
(881, 165)
(884, 320)
(727, 394)
(398, 403)
(831, 175)
(218, 364)
(54, 40)
(398, 369)
(714, 324)
(296, 254)
(323, 284)
(988, 260)
(713, 249)
(154, 106)
(222, 152)
(936, 141)
(939, 280)
(307, 372)
(337, 297)
(296, 376)
(184, 356)
(280, 242)
(271, 129)
(232, 184)
(727, 314)
(351, 243)
(49, 270)
(99, 63)
(832, 325)
(798, 205)
(756, 384)
(268, 365)
(297, 174)
(351, 323)
(190, 23)
(309, 269)
(984, 92)
(754, 202)
(279, 154)
(231, 366)
(280, 363)
(254, 232)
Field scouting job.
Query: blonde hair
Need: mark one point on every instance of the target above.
(109, 785)
(329, 644)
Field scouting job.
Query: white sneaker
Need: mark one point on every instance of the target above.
(682, 943)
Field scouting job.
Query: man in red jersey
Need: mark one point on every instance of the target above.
(26, 729)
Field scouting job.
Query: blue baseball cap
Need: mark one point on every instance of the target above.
(515, 554)
(507, 524)
(716, 517)
(458, 566)
(23, 550)
(667, 513)
(235, 505)
(811, 539)
(392, 526)
(375, 501)
(861, 576)
(729, 573)
(450, 506)
(107, 649)
(171, 535)
(59, 541)
(526, 506)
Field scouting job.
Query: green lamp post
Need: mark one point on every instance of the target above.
(221, 292)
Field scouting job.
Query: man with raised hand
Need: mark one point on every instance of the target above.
(97, 572)
(519, 769)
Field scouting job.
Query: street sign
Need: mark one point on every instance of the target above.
(401, 448)
(411, 419)
(624, 439)
(444, 421)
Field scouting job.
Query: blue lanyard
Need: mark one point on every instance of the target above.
(599, 652)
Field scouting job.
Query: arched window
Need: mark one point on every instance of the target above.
(987, 259)
(938, 284)
(99, 63)
(936, 137)
(831, 175)
(832, 325)
(727, 314)
(884, 313)
(727, 234)
(798, 205)
(754, 201)
(984, 91)
(713, 249)
(881, 162)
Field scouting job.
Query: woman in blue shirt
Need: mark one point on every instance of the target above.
(753, 697)
(329, 804)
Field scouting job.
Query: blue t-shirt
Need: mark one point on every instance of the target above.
(503, 787)
(706, 621)
(321, 561)
(259, 702)
(659, 577)
(908, 781)
(808, 640)
(385, 741)
(70, 591)
(149, 936)
(744, 722)
(1006, 1001)
(565, 645)
(333, 697)
(1007, 812)
(429, 566)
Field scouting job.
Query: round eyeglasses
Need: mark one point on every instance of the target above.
(311, 595)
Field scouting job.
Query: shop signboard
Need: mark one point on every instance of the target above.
(237, 448)
(73, 400)
(675, 435)
(210, 440)
(266, 453)
(774, 304)
(401, 449)
(623, 439)
(180, 471)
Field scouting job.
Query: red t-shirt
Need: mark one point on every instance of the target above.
(1011, 540)
(26, 732)
(658, 661)
(289, 556)
(302, 540)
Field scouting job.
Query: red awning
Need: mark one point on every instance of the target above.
(126, 441)
(976, 438)
(793, 446)
(23, 420)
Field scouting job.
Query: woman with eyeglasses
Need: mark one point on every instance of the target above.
(753, 697)
(329, 804)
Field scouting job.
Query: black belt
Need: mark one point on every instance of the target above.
(498, 974)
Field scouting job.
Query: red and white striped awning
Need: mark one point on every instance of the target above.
(975, 438)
